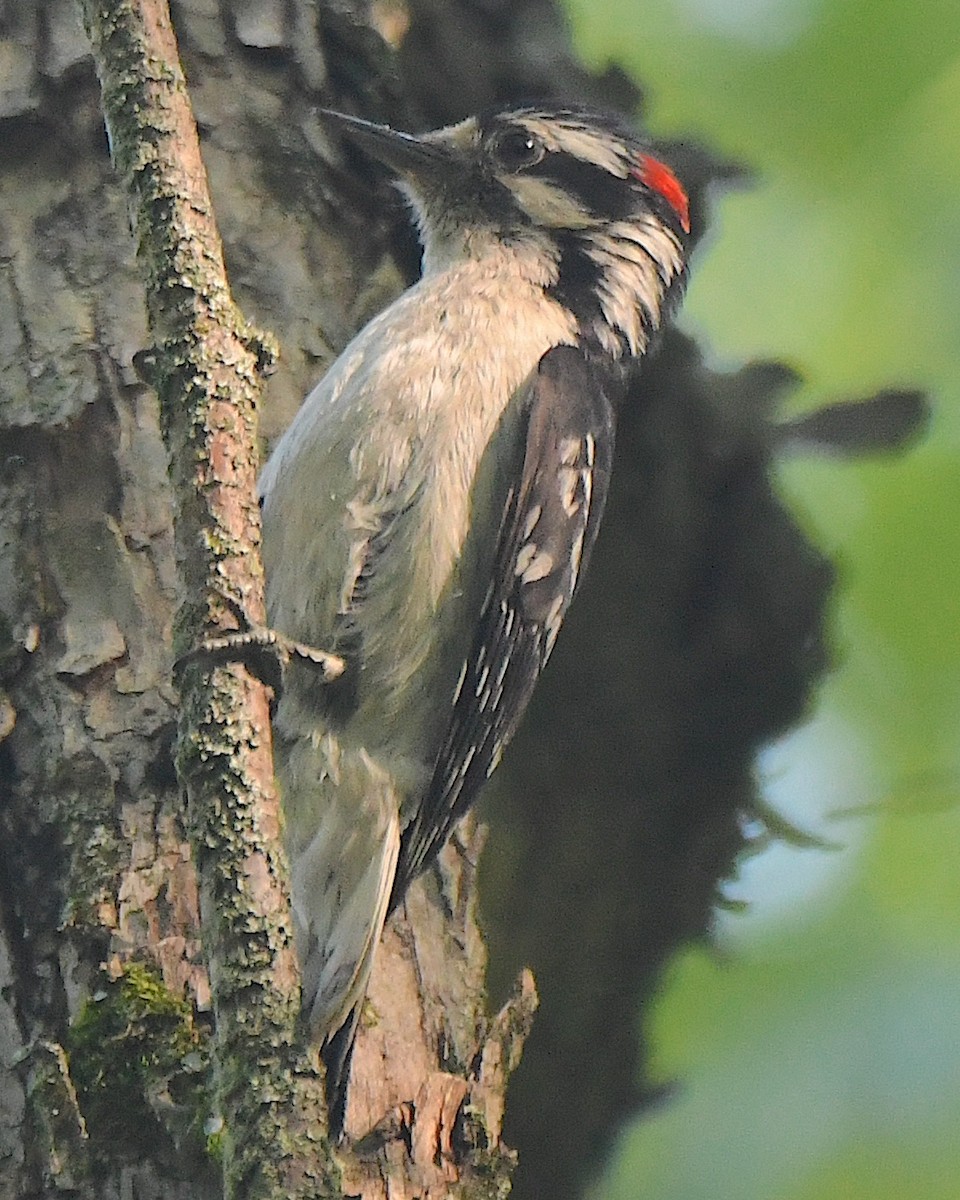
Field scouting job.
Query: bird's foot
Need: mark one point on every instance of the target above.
(266, 652)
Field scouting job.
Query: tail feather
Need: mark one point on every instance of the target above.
(337, 1053)
(343, 837)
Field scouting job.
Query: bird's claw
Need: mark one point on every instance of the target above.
(266, 652)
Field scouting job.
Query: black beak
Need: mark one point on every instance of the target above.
(405, 153)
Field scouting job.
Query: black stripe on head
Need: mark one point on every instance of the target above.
(475, 196)
(577, 290)
(600, 193)
(576, 286)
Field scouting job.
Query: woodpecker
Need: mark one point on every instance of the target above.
(430, 511)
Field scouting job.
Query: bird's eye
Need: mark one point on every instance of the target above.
(517, 148)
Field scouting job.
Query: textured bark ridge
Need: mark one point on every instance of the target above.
(430, 1071)
(698, 634)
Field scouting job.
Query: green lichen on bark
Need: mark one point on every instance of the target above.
(206, 364)
(140, 1064)
(207, 359)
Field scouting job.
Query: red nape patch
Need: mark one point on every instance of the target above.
(659, 178)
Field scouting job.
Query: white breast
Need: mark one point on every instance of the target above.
(388, 464)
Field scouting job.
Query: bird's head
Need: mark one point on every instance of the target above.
(572, 197)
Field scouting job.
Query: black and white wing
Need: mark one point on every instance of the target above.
(549, 524)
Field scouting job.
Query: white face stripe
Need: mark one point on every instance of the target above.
(547, 203)
(655, 240)
(637, 257)
(637, 262)
(570, 136)
(463, 136)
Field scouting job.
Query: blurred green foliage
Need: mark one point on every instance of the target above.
(817, 1047)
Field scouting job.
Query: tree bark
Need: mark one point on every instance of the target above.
(205, 365)
(697, 636)
(107, 1081)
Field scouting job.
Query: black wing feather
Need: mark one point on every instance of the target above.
(549, 524)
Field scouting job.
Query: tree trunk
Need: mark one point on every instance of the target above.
(697, 636)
